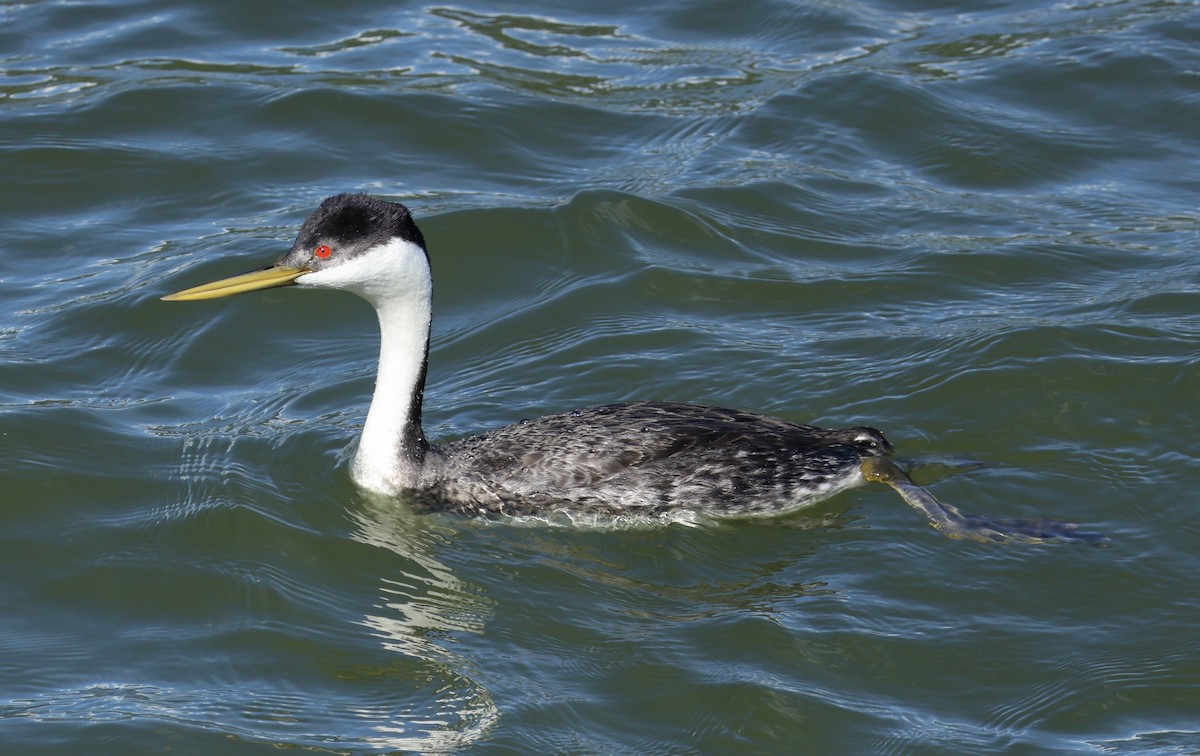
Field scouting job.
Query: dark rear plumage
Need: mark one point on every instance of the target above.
(646, 458)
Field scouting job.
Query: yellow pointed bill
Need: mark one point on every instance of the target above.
(266, 278)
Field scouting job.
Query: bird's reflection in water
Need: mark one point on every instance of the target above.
(422, 605)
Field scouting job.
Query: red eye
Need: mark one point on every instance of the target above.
(323, 251)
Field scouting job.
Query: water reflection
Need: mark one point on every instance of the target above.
(421, 607)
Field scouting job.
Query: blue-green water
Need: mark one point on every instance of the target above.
(974, 226)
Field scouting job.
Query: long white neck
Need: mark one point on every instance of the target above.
(395, 279)
(392, 448)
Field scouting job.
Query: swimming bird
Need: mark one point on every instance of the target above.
(640, 458)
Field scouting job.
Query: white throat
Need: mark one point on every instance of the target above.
(395, 278)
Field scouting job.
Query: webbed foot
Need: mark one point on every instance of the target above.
(979, 528)
(974, 527)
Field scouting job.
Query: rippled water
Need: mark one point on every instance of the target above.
(975, 228)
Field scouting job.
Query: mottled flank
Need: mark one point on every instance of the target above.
(648, 458)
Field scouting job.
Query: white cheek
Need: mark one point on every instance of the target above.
(387, 270)
(338, 277)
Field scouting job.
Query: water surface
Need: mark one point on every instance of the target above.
(974, 229)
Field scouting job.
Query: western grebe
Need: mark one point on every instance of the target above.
(646, 458)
